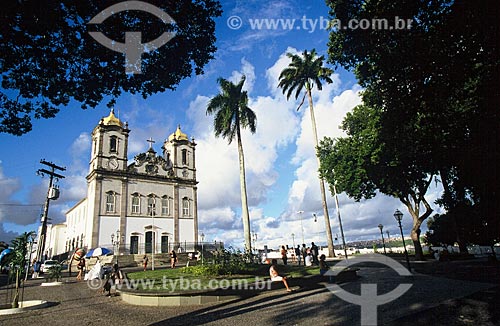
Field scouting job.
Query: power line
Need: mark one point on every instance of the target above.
(6, 204)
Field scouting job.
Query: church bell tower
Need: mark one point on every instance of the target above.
(109, 144)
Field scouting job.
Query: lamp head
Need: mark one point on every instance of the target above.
(398, 215)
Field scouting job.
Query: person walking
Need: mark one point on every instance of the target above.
(297, 254)
(117, 274)
(145, 261)
(36, 268)
(283, 255)
(315, 253)
(173, 259)
(303, 252)
(81, 268)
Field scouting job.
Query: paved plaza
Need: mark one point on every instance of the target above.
(431, 300)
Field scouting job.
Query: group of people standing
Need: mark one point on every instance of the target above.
(303, 255)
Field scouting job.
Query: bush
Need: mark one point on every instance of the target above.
(225, 262)
(55, 273)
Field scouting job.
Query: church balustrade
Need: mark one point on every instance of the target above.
(182, 247)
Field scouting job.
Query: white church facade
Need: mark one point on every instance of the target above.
(147, 205)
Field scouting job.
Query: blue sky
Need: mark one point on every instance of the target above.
(281, 167)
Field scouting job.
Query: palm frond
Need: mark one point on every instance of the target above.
(304, 71)
(230, 110)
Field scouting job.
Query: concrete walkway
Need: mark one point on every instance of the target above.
(75, 302)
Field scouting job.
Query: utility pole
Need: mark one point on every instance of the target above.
(52, 193)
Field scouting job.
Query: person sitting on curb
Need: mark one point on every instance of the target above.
(323, 266)
(275, 277)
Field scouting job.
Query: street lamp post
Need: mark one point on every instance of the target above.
(399, 216)
(337, 206)
(116, 244)
(153, 233)
(31, 242)
(202, 235)
(380, 226)
(301, 225)
(254, 238)
(389, 240)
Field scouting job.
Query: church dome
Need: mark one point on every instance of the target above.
(178, 135)
(112, 120)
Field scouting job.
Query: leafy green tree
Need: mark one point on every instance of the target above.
(48, 59)
(303, 73)
(364, 163)
(435, 83)
(231, 114)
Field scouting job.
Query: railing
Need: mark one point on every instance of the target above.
(181, 247)
(146, 248)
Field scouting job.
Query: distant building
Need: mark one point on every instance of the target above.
(150, 203)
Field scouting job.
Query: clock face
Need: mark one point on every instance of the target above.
(113, 163)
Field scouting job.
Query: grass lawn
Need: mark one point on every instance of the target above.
(185, 279)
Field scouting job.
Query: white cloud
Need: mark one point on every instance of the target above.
(273, 73)
(329, 114)
(249, 71)
(217, 162)
(250, 38)
(81, 145)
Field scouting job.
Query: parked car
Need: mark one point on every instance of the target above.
(48, 264)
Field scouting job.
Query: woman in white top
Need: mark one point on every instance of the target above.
(275, 277)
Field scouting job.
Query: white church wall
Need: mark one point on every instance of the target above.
(139, 224)
(114, 186)
(109, 225)
(146, 188)
(89, 227)
(186, 227)
(77, 227)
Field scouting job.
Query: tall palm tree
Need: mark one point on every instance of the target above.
(304, 72)
(232, 113)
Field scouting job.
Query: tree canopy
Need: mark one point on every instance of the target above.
(365, 162)
(435, 87)
(48, 58)
(304, 72)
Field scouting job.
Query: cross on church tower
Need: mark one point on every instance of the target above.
(151, 142)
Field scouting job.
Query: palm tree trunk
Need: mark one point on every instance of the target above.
(328, 228)
(243, 189)
(15, 301)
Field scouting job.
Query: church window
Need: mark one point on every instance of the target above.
(184, 157)
(110, 202)
(136, 204)
(151, 206)
(186, 209)
(165, 206)
(113, 144)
